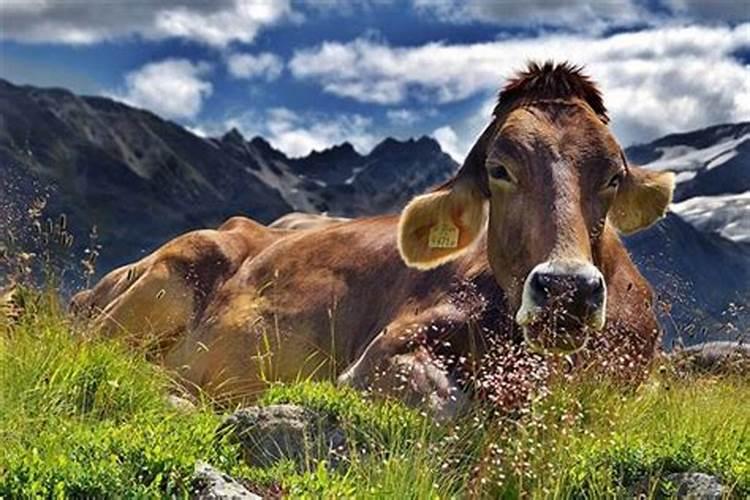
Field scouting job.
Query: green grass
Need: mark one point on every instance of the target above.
(87, 417)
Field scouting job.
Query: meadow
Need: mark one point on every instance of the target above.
(82, 416)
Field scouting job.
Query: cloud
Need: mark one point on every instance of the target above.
(715, 10)
(173, 88)
(655, 81)
(247, 66)
(578, 15)
(215, 23)
(405, 116)
(449, 142)
(299, 133)
(457, 138)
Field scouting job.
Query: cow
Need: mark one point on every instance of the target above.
(301, 220)
(152, 301)
(520, 249)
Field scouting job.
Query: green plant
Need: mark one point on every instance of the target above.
(87, 417)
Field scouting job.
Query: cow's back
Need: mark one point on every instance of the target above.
(314, 298)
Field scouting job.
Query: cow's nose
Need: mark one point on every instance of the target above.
(580, 288)
(570, 291)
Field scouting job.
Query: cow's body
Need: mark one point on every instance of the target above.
(338, 301)
(412, 304)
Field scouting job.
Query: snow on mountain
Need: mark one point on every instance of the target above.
(713, 176)
(726, 215)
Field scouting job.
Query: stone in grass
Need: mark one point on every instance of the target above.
(212, 484)
(687, 485)
(272, 433)
(696, 485)
(180, 404)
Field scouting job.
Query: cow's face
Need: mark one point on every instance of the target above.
(547, 177)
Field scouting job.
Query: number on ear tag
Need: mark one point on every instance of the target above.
(443, 235)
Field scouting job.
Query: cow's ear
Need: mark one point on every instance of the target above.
(437, 227)
(642, 199)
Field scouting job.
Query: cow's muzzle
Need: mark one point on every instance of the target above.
(563, 301)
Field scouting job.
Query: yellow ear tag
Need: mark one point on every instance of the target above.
(443, 235)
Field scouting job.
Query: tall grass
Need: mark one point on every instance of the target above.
(87, 417)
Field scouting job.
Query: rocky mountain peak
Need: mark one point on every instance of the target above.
(233, 136)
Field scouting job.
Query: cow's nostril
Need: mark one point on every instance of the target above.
(542, 287)
(566, 288)
(590, 285)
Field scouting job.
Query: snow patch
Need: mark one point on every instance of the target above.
(727, 215)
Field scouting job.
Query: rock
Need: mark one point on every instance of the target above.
(180, 404)
(686, 485)
(715, 358)
(212, 484)
(696, 485)
(269, 434)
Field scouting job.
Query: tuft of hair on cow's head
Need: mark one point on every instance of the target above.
(547, 180)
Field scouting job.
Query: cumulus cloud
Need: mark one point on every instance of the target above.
(715, 10)
(248, 66)
(174, 88)
(449, 142)
(580, 15)
(407, 116)
(215, 23)
(298, 133)
(655, 81)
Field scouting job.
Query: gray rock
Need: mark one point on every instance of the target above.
(716, 358)
(212, 484)
(683, 485)
(272, 433)
(696, 485)
(180, 404)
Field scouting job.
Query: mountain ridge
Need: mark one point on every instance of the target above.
(142, 180)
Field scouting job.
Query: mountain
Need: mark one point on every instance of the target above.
(698, 258)
(713, 176)
(142, 180)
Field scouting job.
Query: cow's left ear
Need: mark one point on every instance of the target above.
(437, 227)
(642, 199)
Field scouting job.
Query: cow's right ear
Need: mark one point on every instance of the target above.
(437, 227)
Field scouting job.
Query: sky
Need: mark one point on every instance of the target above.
(309, 74)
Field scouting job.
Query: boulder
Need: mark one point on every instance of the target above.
(715, 358)
(272, 433)
(212, 484)
(683, 485)
(696, 485)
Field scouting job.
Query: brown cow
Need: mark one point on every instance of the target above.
(301, 220)
(524, 235)
(154, 300)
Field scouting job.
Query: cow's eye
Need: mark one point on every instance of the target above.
(500, 172)
(615, 181)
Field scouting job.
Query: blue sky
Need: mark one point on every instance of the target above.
(310, 74)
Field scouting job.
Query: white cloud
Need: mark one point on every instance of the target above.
(654, 81)
(264, 65)
(406, 116)
(173, 88)
(578, 15)
(457, 138)
(714, 10)
(449, 142)
(299, 133)
(215, 23)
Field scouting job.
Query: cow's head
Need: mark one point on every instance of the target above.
(547, 179)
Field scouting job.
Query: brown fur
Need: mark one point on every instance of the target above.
(340, 299)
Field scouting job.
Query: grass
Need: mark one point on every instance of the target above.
(87, 417)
